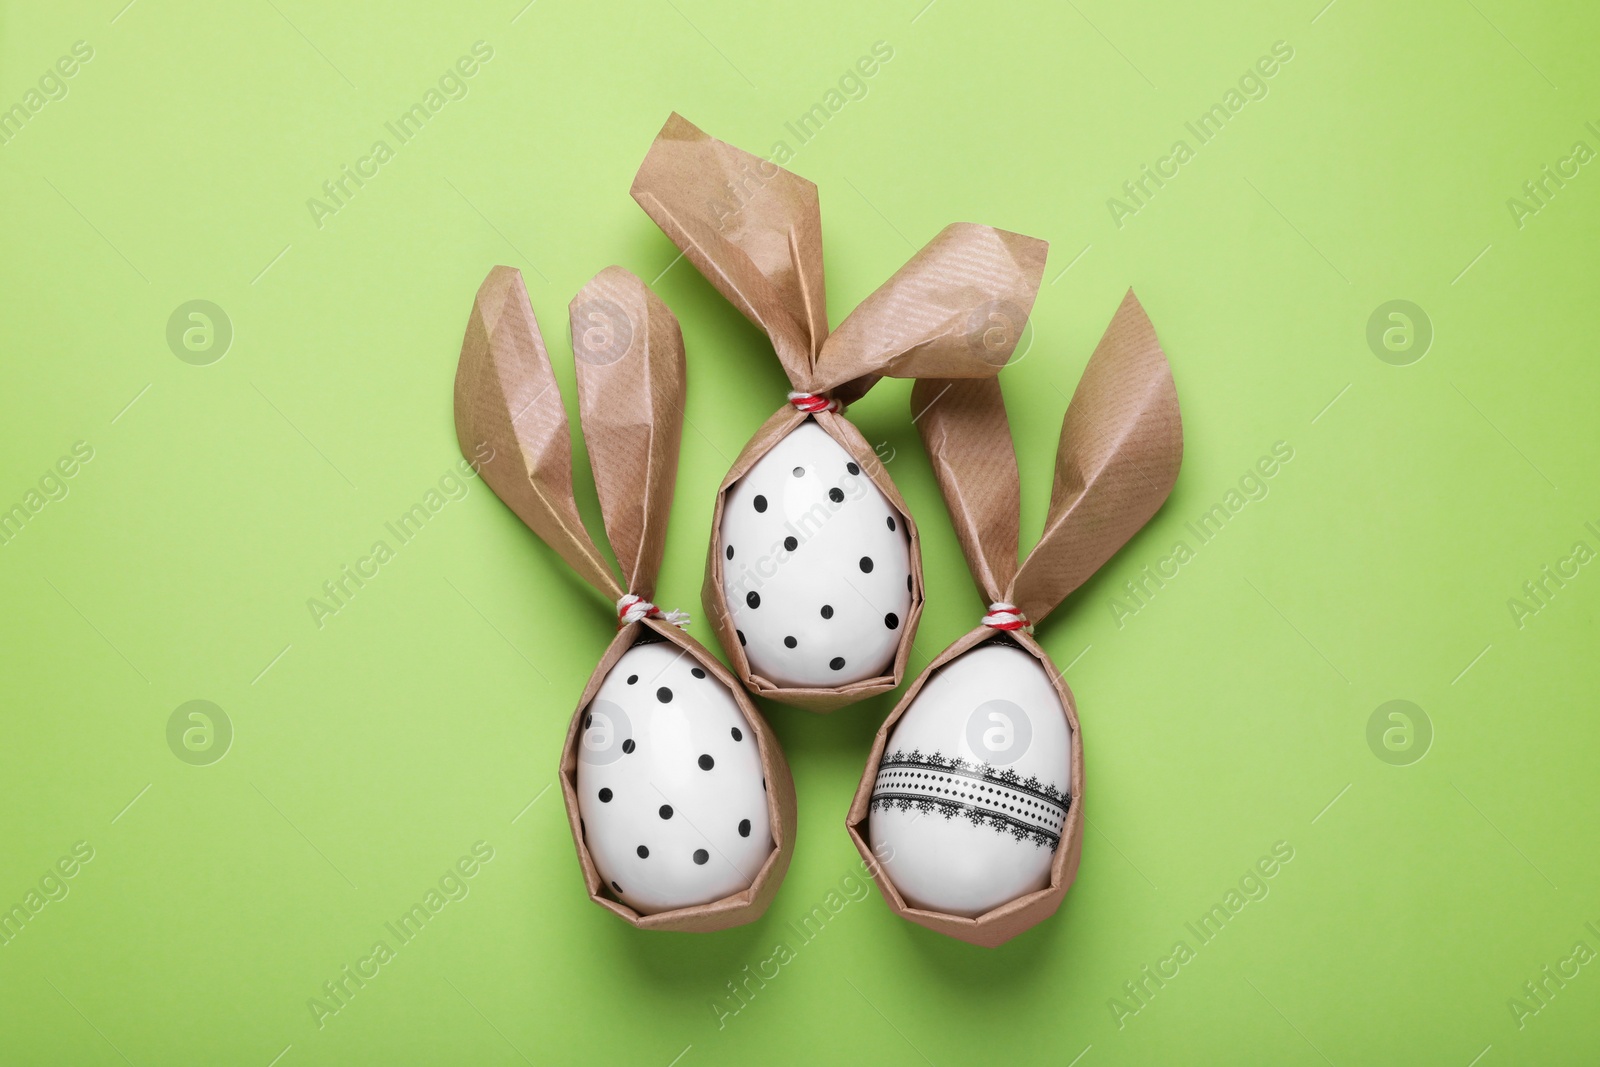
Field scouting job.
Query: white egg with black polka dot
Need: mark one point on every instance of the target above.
(816, 565)
(670, 786)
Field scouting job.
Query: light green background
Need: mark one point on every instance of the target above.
(1228, 714)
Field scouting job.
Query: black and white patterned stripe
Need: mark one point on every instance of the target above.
(1026, 808)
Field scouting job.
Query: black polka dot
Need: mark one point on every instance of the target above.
(730, 547)
(697, 672)
(643, 852)
(666, 811)
(789, 642)
(617, 887)
(837, 663)
(701, 856)
(799, 472)
(632, 678)
(706, 762)
(741, 636)
(664, 695)
(866, 564)
(827, 611)
(852, 468)
(908, 583)
(605, 796)
(738, 735)
(790, 543)
(761, 503)
(891, 620)
(628, 745)
(744, 827)
(836, 495)
(891, 526)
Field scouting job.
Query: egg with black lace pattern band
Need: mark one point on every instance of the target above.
(971, 797)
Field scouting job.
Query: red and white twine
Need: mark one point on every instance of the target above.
(812, 403)
(1005, 616)
(632, 608)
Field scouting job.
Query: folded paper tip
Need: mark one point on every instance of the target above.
(616, 293)
(679, 128)
(676, 129)
(1030, 253)
(500, 282)
(1030, 250)
(1131, 310)
(615, 278)
(500, 275)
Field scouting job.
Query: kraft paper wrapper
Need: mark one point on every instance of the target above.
(1120, 449)
(955, 310)
(850, 439)
(631, 411)
(631, 386)
(1012, 918)
(739, 908)
(506, 397)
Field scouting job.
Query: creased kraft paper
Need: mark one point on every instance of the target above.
(955, 310)
(631, 387)
(1118, 457)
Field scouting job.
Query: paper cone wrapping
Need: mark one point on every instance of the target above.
(631, 387)
(1120, 449)
(955, 310)
(850, 439)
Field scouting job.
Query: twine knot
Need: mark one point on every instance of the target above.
(1005, 616)
(812, 403)
(632, 608)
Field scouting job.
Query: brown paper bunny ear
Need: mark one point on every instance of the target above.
(956, 310)
(752, 228)
(1121, 446)
(628, 350)
(968, 439)
(506, 398)
(629, 355)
